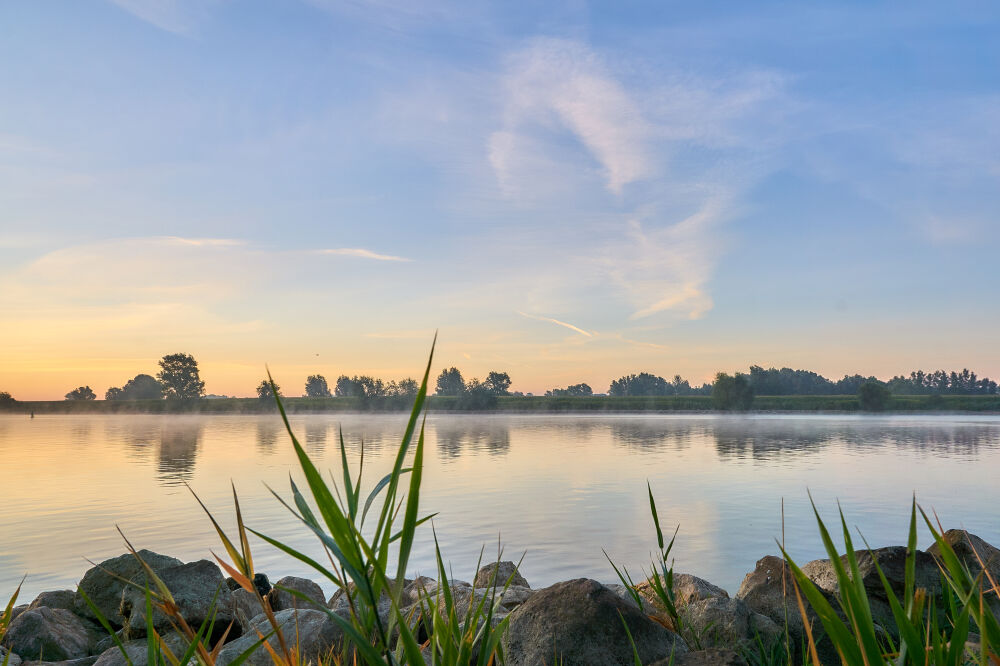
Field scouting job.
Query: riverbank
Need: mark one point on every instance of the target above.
(582, 621)
(906, 404)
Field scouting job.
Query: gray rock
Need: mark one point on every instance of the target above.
(194, 586)
(504, 570)
(710, 657)
(720, 622)
(138, 652)
(17, 610)
(765, 592)
(65, 599)
(970, 549)
(687, 588)
(53, 634)
(12, 660)
(104, 587)
(246, 606)
(623, 593)
(282, 599)
(312, 630)
(81, 661)
(581, 622)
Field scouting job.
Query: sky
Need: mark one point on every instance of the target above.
(565, 191)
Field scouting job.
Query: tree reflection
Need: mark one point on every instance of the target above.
(267, 436)
(460, 436)
(177, 451)
(316, 436)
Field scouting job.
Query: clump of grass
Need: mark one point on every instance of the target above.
(5, 617)
(661, 576)
(928, 634)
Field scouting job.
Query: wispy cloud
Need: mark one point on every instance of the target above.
(361, 253)
(575, 329)
(561, 85)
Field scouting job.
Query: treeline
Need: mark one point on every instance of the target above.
(803, 382)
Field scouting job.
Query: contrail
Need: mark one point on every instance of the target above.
(557, 322)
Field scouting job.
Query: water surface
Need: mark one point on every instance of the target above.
(557, 488)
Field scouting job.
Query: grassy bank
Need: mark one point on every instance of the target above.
(515, 404)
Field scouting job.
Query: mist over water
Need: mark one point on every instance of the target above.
(557, 488)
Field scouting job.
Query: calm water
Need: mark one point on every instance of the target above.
(559, 488)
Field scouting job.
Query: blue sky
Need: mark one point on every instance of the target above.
(568, 191)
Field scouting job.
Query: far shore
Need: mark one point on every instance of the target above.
(899, 404)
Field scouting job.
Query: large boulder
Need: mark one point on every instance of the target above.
(198, 589)
(52, 634)
(970, 549)
(721, 622)
(282, 599)
(79, 661)
(312, 631)
(581, 622)
(499, 573)
(65, 599)
(103, 583)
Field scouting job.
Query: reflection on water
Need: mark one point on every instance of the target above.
(472, 436)
(561, 488)
(178, 451)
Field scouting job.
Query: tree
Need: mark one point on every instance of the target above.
(140, 387)
(264, 391)
(450, 382)
(359, 386)
(477, 396)
(497, 383)
(574, 390)
(642, 384)
(179, 377)
(81, 393)
(316, 387)
(6, 400)
(732, 392)
(404, 387)
(873, 396)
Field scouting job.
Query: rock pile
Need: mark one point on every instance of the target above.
(577, 621)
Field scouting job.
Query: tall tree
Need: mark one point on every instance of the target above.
(643, 383)
(179, 377)
(81, 393)
(140, 387)
(873, 396)
(732, 392)
(6, 399)
(498, 383)
(316, 387)
(265, 392)
(450, 382)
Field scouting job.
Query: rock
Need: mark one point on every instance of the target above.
(718, 622)
(687, 588)
(623, 593)
(967, 547)
(138, 652)
(81, 661)
(12, 659)
(104, 587)
(764, 592)
(246, 606)
(581, 622)
(418, 589)
(709, 657)
(65, 599)
(504, 570)
(282, 599)
(194, 587)
(53, 634)
(315, 633)
(17, 610)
